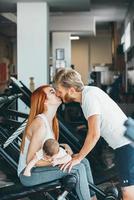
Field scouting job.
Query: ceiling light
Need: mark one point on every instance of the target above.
(74, 37)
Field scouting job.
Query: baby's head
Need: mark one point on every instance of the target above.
(51, 147)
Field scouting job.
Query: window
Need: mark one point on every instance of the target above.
(127, 37)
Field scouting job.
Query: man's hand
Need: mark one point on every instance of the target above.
(74, 161)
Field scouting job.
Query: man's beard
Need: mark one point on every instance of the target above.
(68, 99)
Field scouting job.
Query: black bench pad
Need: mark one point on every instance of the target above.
(18, 190)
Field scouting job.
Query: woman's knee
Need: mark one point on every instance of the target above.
(26, 181)
(86, 163)
(79, 169)
(85, 160)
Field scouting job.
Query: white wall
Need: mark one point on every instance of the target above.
(32, 42)
(73, 22)
(130, 18)
(61, 40)
(100, 49)
(80, 57)
(89, 51)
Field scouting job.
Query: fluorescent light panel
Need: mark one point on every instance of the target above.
(74, 37)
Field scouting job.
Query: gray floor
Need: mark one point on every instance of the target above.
(4, 181)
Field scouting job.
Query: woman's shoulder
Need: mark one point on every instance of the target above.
(37, 124)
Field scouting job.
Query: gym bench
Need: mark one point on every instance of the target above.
(16, 191)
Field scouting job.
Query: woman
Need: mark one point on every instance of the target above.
(42, 124)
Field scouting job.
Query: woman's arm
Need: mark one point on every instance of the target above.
(31, 164)
(37, 132)
(42, 163)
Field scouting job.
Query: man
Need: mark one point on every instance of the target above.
(105, 119)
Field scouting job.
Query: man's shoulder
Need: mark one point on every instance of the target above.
(88, 90)
(90, 87)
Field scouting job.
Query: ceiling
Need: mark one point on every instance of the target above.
(7, 28)
(101, 10)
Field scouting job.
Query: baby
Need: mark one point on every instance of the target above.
(52, 152)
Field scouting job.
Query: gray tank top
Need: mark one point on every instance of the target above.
(23, 156)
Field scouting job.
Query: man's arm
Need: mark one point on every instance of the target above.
(92, 137)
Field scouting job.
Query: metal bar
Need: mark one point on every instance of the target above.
(12, 145)
(13, 122)
(8, 159)
(18, 85)
(16, 113)
(97, 190)
(15, 134)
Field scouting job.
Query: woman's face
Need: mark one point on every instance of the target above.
(52, 99)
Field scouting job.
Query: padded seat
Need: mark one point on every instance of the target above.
(18, 190)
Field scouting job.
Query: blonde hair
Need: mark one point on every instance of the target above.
(67, 78)
(37, 107)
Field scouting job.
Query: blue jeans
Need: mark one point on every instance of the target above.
(46, 174)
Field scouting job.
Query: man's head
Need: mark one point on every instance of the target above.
(68, 84)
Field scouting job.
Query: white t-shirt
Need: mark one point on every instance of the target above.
(112, 118)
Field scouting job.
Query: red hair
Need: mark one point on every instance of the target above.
(37, 107)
